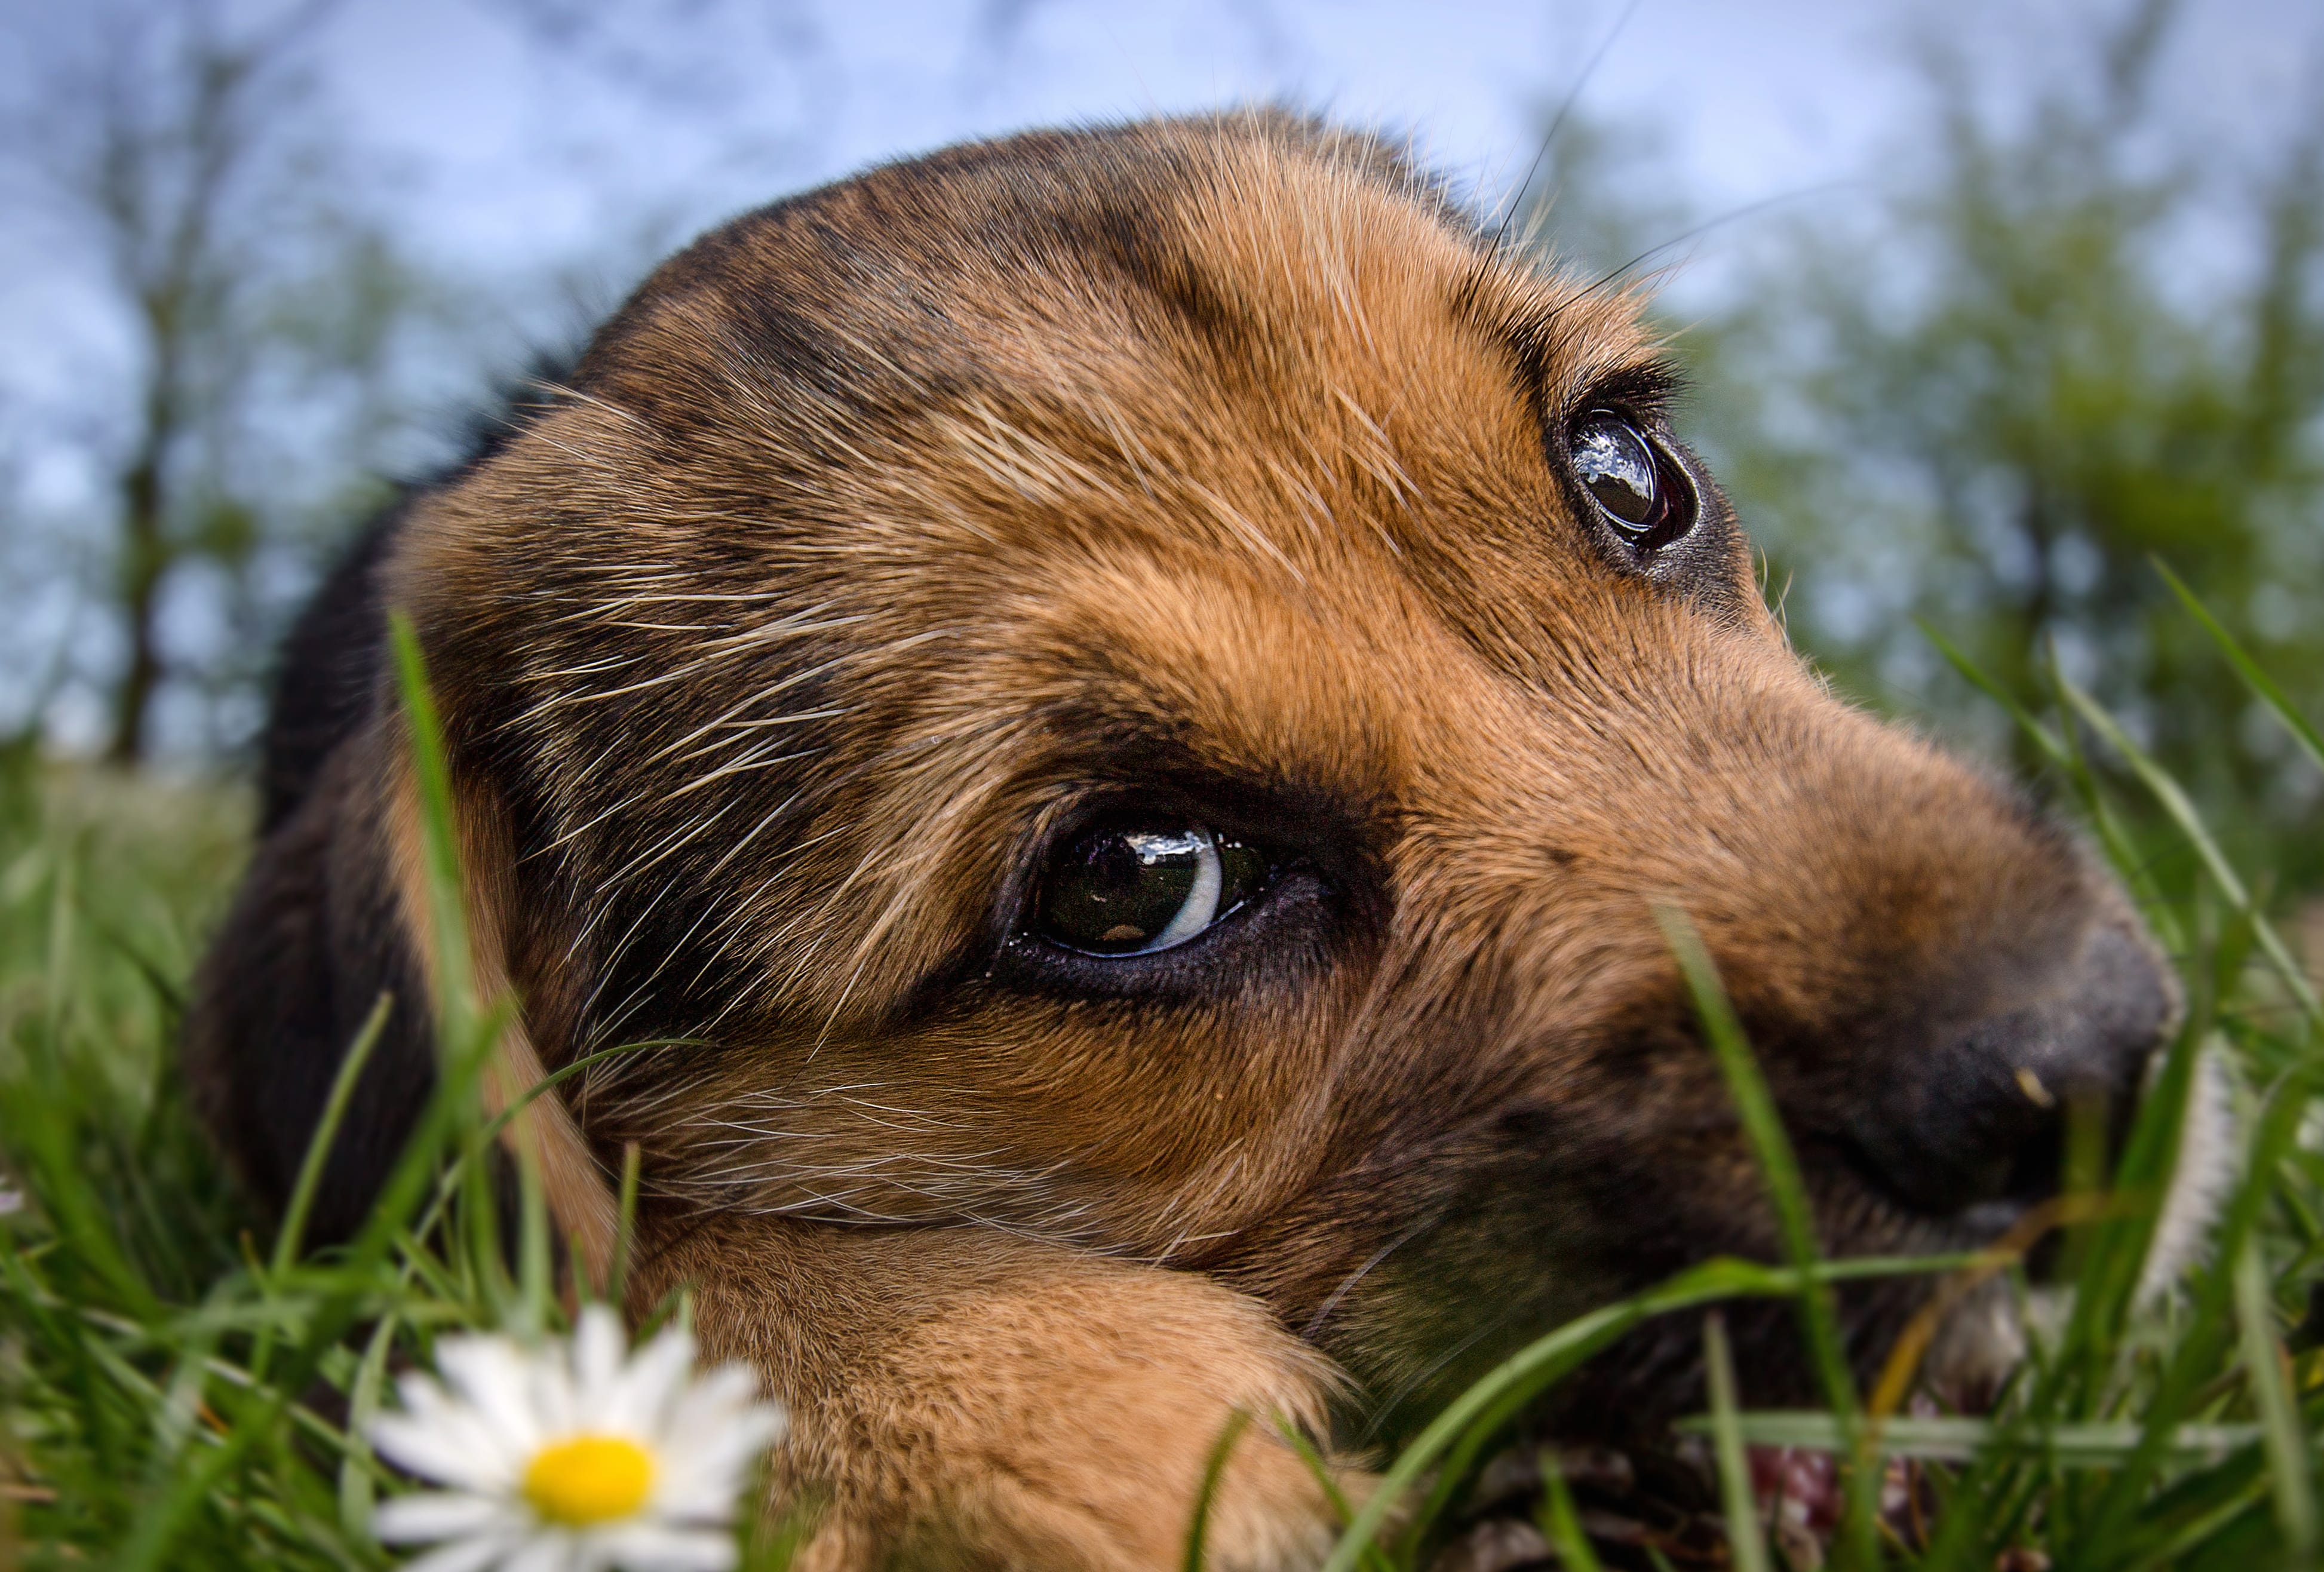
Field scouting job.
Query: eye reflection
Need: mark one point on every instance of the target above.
(1618, 469)
(1138, 888)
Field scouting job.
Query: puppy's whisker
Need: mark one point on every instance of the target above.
(1516, 198)
(1317, 1322)
(1491, 1325)
(761, 757)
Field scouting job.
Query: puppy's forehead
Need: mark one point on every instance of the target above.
(1249, 314)
(1141, 426)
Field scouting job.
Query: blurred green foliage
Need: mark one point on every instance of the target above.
(1990, 386)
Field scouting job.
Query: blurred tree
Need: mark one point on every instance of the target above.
(760, 77)
(180, 155)
(2061, 345)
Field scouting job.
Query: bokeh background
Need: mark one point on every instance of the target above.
(1990, 306)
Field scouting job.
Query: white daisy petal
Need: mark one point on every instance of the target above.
(731, 1391)
(597, 1344)
(407, 1520)
(549, 1392)
(697, 1495)
(694, 1439)
(426, 1400)
(422, 1392)
(452, 1450)
(655, 1379)
(702, 1485)
(706, 1438)
(467, 1555)
(553, 1551)
(731, 1386)
(492, 1373)
(651, 1548)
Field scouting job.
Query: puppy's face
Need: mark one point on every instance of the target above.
(1145, 689)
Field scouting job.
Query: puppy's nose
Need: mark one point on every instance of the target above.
(1978, 1114)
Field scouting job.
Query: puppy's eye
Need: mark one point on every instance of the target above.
(1134, 889)
(1638, 488)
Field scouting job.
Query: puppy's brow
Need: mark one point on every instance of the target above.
(1646, 388)
(1565, 343)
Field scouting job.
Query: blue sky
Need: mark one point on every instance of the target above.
(522, 151)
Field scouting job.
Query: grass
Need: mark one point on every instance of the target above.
(182, 1388)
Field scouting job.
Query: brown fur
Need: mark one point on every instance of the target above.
(1210, 465)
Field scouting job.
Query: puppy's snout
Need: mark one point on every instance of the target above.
(1978, 1113)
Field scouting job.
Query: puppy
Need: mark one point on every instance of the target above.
(1131, 697)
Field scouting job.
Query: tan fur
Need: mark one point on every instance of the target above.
(963, 1397)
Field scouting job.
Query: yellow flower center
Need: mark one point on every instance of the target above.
(588, 1479)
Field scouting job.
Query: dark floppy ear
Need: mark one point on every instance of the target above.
(581, 1201)
(333, 917)
(315, 941)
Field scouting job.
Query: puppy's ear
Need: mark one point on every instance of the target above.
(314, 943)
(581, 1201)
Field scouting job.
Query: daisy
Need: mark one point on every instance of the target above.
(572, 1459)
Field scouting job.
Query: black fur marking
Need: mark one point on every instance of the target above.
(312, 943)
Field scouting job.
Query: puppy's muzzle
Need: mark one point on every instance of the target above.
(1978, 1113)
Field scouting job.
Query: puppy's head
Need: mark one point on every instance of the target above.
(1146, 688)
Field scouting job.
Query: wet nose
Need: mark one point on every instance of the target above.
(1977, 1113)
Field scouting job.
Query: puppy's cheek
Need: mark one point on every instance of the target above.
(1070, 1425)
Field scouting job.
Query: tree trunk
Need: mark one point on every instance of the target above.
(144, 558)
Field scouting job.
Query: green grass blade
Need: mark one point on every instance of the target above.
(616, 1286)
(1745, 1542)
(291, 1236)
(2047, 741)
(293, 1230)
(2208, 1338)
(2264, 687)
(456, 999)
(1560, 1522)
(1214, 1470)
(2287, 1449)
(1764, 1127)
(365, 1395)
(2181, 810)
(1795, 1218)
(1957, 1438)
(1320, 1469)
(2116, 1256)
(2065, 755)
(535, 1269)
